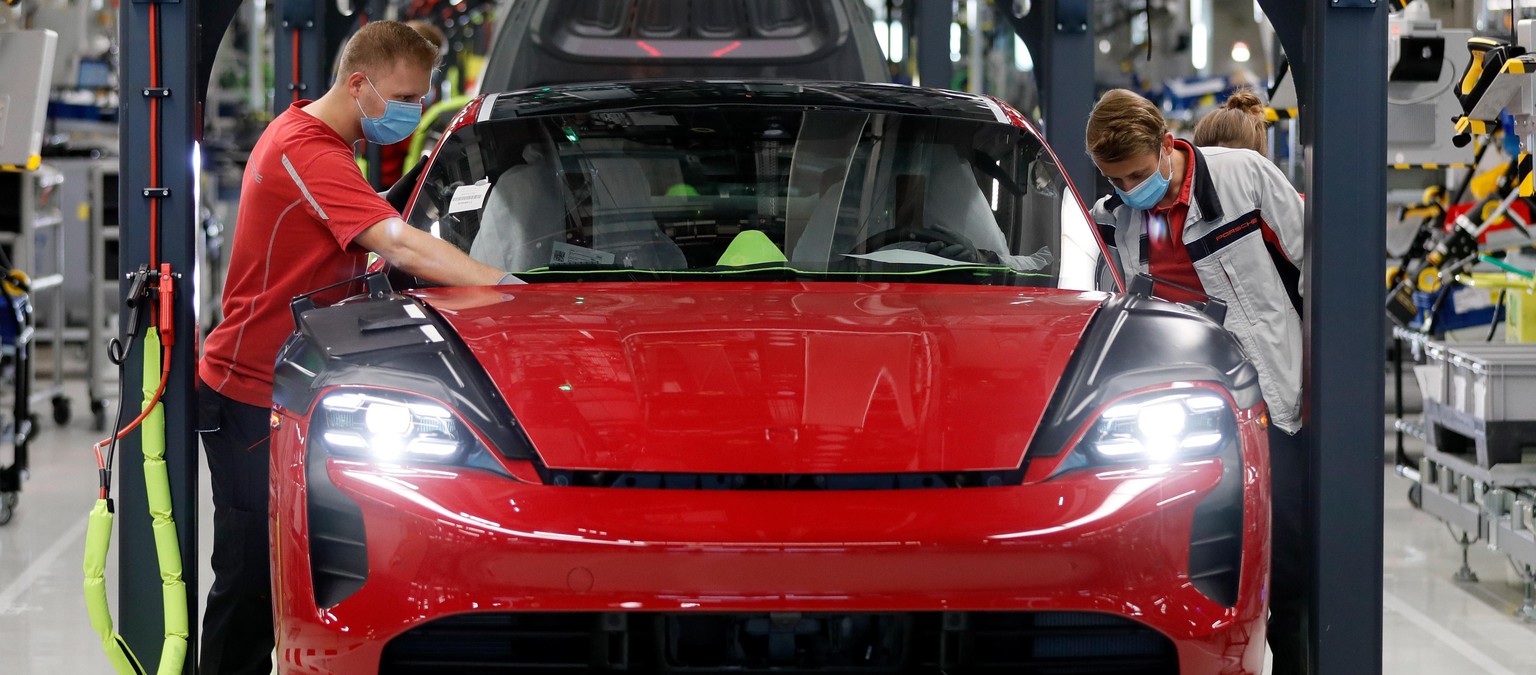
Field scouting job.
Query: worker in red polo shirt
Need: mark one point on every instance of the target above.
(307, 219)
(1222, 223)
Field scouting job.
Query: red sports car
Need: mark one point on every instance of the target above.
(804, 378)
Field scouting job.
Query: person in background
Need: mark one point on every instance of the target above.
(1238, 123)
(1223, 223)
(392, 157)
(430, 32)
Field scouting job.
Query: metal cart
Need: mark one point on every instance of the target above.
(102, 286)
(31, 237)
(1477, 473)
(16, 333)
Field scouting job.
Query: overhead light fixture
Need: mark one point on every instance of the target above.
(892, 40)
(1104, 46)
(1240, 52)
(1199, 34)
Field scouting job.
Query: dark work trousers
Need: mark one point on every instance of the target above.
(237, 623)
(1291, 553)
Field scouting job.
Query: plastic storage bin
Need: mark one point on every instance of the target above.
(1489, 381)
(1464, 308)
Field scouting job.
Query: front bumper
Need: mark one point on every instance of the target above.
(448, 542)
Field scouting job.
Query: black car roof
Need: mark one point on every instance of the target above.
(874, 97)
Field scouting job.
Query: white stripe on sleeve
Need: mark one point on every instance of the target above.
(303, 188)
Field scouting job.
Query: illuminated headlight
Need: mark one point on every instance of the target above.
(390, 428)
(1161, 427)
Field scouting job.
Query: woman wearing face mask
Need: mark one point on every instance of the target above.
(1223, 223)
(307, 219)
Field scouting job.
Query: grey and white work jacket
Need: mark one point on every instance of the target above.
(1244, 235)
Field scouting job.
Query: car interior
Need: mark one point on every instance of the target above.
(675, 190)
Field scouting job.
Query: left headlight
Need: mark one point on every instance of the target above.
(390, 427)
(1161, 426)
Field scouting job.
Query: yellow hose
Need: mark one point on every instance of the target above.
(98, 540)
(157, 484)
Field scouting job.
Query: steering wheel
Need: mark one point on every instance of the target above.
(938, 241)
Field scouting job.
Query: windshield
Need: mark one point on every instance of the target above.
(758, 192)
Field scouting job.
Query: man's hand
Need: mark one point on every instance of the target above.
(955, 251)
(425, 256)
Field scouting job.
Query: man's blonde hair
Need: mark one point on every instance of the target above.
(1238, 123)
(379, 45)
(1124, 125)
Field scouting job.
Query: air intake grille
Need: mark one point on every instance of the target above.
(1216, 535)
(783, 482)
(338, 542)
(1041, 643)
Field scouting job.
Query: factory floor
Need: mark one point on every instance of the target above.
(1431, 623)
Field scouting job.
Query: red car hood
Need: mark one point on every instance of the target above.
(780, 378)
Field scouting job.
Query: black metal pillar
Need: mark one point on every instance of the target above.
(930, 29)
(1338, 54)
(311, 34)
(1060, 40)
(178, 89)
(1343, 132)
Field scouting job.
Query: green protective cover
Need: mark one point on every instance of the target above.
(751, 247)
(98, 540)
(424, 128)
(157, 487)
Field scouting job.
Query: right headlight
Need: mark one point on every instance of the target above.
(390, 427)
(1161, 426)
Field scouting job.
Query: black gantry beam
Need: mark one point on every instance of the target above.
(1343, 131)
(1338, 54)
(308, 37)
(1059, 34)
(930, 30)
(141, 619)
(184, 30)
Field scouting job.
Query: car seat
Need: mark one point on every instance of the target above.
(524, 216)
(622, 220)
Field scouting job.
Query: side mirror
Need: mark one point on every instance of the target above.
(1144, 285)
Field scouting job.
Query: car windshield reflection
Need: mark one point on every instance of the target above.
(740, 192)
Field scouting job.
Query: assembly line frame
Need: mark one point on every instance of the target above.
(1342, 135)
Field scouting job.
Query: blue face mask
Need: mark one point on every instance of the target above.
(1151, 191)
(396, 124)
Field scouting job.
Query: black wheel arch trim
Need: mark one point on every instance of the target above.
(1134, 343)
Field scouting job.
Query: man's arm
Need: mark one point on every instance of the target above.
(425, 256)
